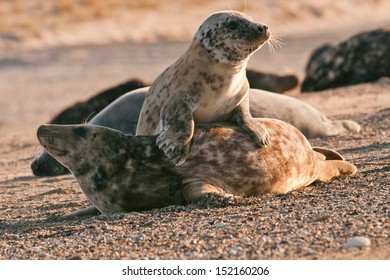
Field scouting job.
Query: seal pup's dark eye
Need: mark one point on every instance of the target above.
(232, 24)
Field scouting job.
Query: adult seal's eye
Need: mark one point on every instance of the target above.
(232, 25)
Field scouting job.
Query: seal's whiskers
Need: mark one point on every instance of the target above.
(275, 41)
(37, 149)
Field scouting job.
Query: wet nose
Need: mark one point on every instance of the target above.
(263, 29)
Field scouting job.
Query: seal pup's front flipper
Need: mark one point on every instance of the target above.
(177, 131)
(242, 116)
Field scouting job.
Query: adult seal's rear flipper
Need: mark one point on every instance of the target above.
(328, 153)
(331, 169)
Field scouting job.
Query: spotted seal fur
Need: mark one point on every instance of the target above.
(123, 114)
(120, 173)
(206, 84)
(360, 59)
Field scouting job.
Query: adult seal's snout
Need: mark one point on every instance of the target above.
(43, 134)
(41, 130)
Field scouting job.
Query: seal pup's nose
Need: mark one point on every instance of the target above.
(263, 29)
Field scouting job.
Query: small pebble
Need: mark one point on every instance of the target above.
(149, 223)
(137, 237)
(357, 242)
(220, 225)
(75, 257)
(234, 250)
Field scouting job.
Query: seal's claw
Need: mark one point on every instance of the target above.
(176, 152)
(180, 155)
(162, 141)
(169, 151)
(257, 131)
(261, 137)
(162, 145)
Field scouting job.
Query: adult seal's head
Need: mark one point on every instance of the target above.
(231, 37)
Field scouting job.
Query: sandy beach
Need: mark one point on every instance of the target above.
(41, 75)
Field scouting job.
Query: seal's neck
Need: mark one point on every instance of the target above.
(154, 180)
(145, 150)
(199, 54)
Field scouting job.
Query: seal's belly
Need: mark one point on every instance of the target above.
(212, 115)
(214, 110)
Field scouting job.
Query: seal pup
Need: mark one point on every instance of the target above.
(123, 114)
(360, 59)
(120, 173)
(206, 84)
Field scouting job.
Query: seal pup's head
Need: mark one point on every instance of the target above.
(230, 37)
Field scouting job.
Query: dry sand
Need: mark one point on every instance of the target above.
(45, 23)
(313, 223)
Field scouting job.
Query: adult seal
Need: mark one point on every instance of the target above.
(121, 173)
(206, 84)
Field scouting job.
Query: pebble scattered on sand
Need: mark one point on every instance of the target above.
(220, 225)
(357, 242)
(149, 223)
(234, 250)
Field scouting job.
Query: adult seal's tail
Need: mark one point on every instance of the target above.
(206, 84)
